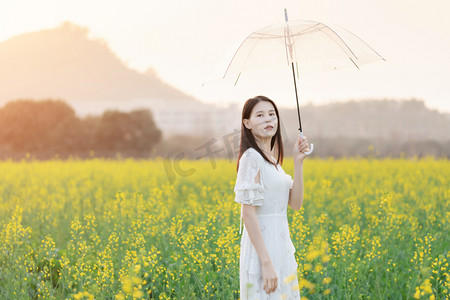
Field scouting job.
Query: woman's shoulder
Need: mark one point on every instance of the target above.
(252, 154)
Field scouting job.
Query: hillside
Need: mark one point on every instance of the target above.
(64, 63)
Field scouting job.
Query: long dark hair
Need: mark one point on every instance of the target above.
(247, 138)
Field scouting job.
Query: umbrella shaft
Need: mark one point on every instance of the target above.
(296, 98)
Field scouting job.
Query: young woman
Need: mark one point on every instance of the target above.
(268, 269)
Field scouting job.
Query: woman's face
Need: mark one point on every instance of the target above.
(263, 120)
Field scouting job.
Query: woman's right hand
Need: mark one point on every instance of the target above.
(270, 277)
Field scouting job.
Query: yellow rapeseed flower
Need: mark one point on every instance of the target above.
(428, 289)
(137, 268)
(78, 296)
(312, 255)
(88, 295)
(305, 283)
(138, 294)
(318, 268)
(136, 280)
(127, 285)
(326, 280)
(120, 296)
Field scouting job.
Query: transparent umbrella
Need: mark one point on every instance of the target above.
(305, 46)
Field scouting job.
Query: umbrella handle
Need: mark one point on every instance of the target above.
(310, 151)
(312, 145)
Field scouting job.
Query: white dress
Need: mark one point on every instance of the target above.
(271, 196)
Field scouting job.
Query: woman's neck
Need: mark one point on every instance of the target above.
(265, 147)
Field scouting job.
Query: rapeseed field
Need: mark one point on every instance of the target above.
(162, 229)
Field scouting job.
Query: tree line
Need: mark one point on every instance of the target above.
(50, 128)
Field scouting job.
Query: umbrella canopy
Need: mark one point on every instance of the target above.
(305, 46)
(311, 46)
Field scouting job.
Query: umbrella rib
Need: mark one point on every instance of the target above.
(285, 43)
(345, 44)
(234, 55)
(354, 63)
(262, 35)
(305, 33)
(365, 44)
(250, 52)
(308, 30)
(265, 36)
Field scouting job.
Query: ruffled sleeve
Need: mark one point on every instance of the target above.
(246, 189)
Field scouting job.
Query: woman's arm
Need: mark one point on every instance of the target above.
(251, 222)
(254, 232)
(296, 193)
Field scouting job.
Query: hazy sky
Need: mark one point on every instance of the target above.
(185, 40)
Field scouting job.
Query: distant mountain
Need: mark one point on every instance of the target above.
(64, 63)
